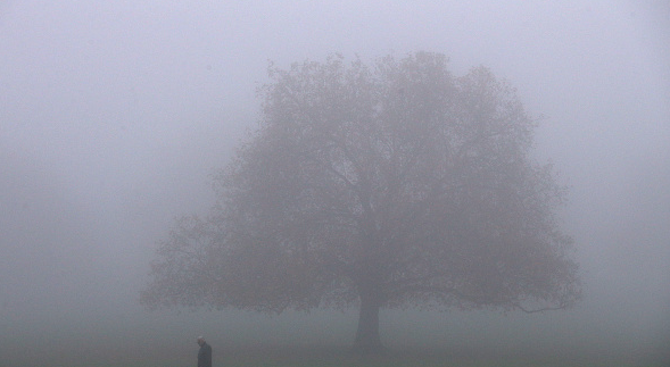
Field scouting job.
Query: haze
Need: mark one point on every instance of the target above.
(113, 115)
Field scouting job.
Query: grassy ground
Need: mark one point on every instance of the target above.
(339, 358)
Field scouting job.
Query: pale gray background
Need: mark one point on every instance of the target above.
(114, 114)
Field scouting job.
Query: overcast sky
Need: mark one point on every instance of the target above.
(113, 115)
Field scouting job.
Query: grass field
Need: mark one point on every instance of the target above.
(340, 357)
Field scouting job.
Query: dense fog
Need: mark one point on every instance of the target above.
(114, 115)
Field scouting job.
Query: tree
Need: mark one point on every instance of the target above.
(391, 185)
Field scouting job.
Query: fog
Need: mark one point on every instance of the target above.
(113, 116)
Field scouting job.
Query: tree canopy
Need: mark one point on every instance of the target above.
(393, 184)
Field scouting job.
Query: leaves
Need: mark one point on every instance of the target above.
(396, 179)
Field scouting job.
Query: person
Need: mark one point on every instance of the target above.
(204, 354)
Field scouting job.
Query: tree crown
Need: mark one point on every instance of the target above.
(394, 182)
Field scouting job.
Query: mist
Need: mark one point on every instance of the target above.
(114, 116)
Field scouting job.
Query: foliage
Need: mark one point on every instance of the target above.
(390, 185)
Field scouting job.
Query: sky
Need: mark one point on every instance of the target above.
(114, 115)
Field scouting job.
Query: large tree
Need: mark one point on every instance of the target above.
(394, 184)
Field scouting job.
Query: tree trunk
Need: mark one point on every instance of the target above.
(367, 335)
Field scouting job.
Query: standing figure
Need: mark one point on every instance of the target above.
(204, 354)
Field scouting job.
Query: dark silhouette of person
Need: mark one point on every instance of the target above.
(204, 354)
